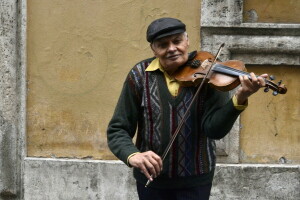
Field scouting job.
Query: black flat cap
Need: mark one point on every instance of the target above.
(164, 27)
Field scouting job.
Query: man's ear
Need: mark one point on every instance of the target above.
(151, 46)
(188, 41)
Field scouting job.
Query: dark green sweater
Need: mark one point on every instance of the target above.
(147, 108)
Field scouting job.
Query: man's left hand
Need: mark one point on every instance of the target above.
(249, 86)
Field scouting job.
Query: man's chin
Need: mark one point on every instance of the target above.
(177, 63)
(172, 67)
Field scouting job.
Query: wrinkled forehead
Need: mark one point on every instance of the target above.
(169, 38)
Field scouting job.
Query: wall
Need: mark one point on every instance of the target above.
(12, 97)
(68, 179)
(271, 11)
(270, 126)
(79, 53)
(77, 62)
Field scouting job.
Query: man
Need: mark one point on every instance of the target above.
(152, 104)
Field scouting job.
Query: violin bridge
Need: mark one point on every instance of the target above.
(206, 64)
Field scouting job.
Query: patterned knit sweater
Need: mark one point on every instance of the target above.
(147, 108)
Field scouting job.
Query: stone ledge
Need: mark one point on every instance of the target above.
(50, 178)
(257, 181)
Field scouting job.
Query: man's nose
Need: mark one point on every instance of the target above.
(172, 47)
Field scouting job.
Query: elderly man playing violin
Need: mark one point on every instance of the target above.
(151, 106)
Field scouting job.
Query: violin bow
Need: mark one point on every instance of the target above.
(186, 112)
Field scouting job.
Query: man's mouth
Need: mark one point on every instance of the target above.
(173, 57)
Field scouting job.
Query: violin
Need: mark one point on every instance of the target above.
(223, 76)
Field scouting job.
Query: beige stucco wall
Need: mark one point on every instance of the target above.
(272, 11)
(79, 53)
(270, 126)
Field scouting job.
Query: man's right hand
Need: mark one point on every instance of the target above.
(148, 162)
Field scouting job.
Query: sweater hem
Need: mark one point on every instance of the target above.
(163, 182)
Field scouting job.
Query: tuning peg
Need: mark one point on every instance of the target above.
(272, 77)
(275, 93)
(266, 89)
(279, 83)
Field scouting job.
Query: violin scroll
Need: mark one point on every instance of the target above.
(278, 88)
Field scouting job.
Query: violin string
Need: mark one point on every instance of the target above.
(220, 67)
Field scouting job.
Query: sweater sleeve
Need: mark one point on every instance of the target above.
(220, 114)
(122, 127)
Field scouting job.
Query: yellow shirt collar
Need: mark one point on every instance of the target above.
(172, 84)
(155, 65)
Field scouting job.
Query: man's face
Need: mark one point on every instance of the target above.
(172, 51)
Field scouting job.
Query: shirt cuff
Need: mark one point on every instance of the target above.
(130, 157)
(237, 106)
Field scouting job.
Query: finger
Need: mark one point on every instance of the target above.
(243, 82)
(144, 170)
(248, 86)
(157, 163)
(262, 78)
(257, 81)
(253, 77)
(241, 79)
(261, 81)
(264, 75)
(158, 160)
(247, 83)
(153, 169)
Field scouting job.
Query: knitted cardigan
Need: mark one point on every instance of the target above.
(147, 108)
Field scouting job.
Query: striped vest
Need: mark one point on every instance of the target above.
(192, 153)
